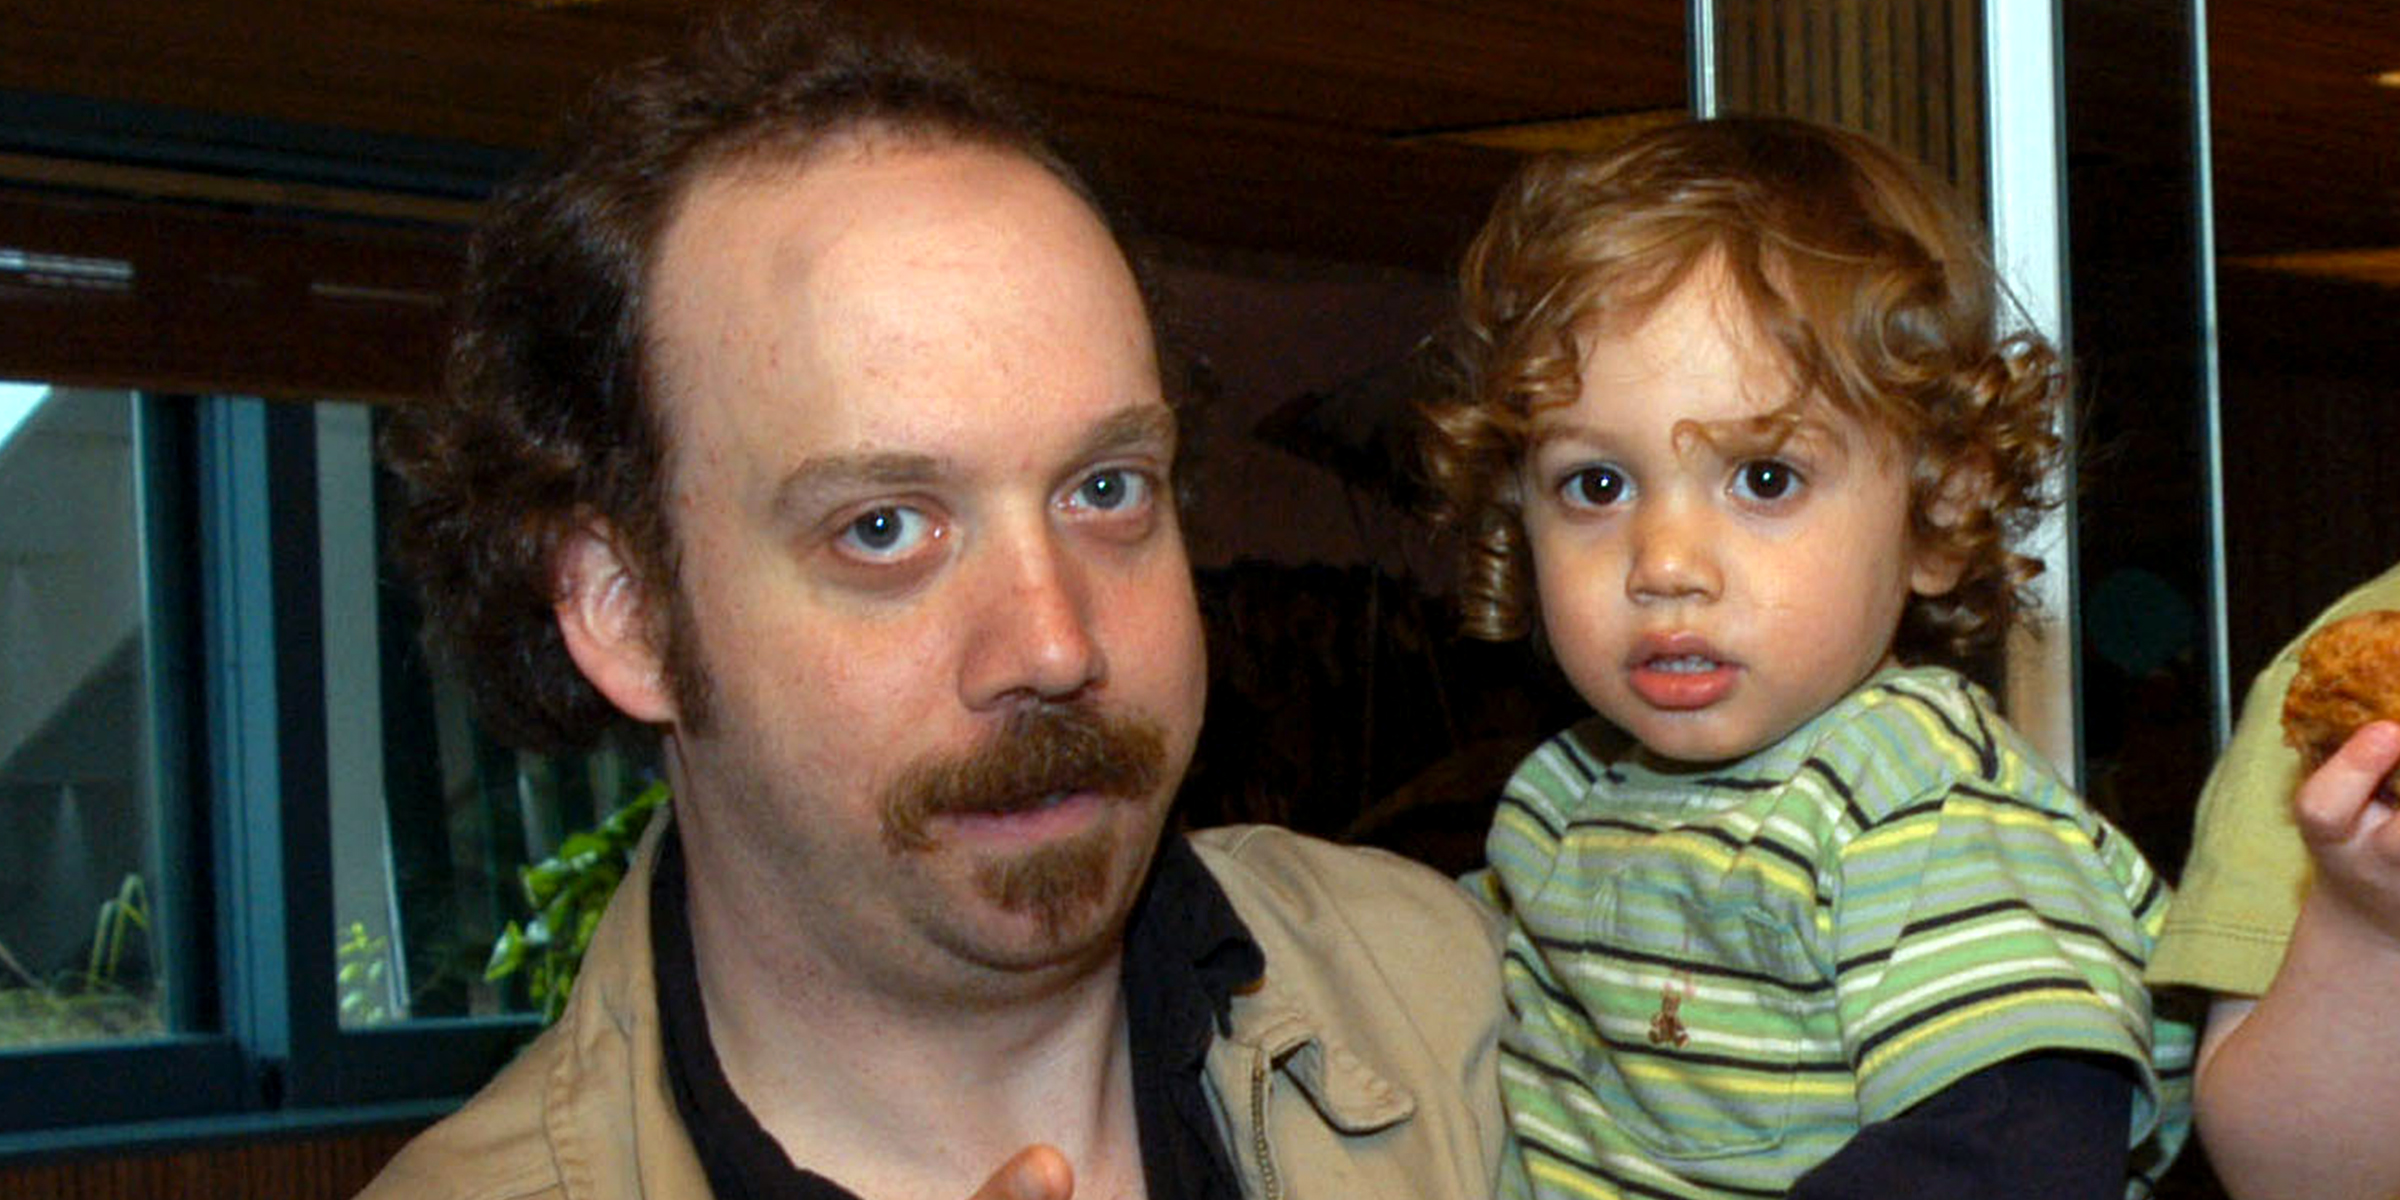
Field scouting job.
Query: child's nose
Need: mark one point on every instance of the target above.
(1674, 555)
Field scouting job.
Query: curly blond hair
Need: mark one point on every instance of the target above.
(1858, 268)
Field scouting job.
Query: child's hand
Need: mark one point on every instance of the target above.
(2351, 831)
(1034, 1173)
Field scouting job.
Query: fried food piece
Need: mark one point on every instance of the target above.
(2349, 675)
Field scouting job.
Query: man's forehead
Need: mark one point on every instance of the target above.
(869, 211)
(865, 193)
(891, 298)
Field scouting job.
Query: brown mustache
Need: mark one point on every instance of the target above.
(1040, 753)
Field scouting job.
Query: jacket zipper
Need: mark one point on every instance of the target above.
(1268, 1182)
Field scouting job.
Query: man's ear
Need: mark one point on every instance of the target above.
(611, 630)
(1933, 569)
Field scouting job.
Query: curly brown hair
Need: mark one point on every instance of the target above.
(550, 421)
(1862, 272)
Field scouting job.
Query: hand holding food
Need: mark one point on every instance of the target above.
(2349, 675)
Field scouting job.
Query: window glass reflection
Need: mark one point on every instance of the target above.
(432, 821)
(82, 865)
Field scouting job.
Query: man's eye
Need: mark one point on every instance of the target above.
(1593, 487)
(1112, 490)
(1766, 479)
(886, 532)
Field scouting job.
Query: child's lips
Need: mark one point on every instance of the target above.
(1680, 673)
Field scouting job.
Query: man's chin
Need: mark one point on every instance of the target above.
(1049, 894)
(1062, 887)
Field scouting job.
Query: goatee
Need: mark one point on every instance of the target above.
(1041, 755)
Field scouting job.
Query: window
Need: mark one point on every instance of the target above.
(89, 909)
(431, 819)
(252, 842)
(104, 912)
(259, 849)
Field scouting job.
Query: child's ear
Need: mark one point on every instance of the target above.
(605, 614)
(1936, 569)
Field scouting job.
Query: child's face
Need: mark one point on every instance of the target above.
(1707, 587)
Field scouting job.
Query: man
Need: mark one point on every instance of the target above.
(808, 414)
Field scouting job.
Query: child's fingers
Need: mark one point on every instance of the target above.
(2328, 804)
(1036, 1172)
(2379, 831)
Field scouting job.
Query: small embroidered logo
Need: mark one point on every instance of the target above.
(1666, 1028)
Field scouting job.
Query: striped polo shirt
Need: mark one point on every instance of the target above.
(1719, 975)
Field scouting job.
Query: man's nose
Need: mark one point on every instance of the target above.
(1674, 553)
(1031, 634)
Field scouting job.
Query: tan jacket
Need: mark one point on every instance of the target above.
(1364, 1066)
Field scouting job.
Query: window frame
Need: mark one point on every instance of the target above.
(326, 1064)
(229, 316)
(243, 763)
(104, 1083)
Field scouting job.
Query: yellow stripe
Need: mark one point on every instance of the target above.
(1938, 736)
(1522, 824)
(1886, 837)
(1556, 1174)
(1704, 1081)
(1949, 1022)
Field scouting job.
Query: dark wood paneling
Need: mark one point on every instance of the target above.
(202, 300)
(2307, 157)
(495, 73)
(2311, 412)
(322, 1168)
(1907, 71)
(1259, 124)
(1178, 89)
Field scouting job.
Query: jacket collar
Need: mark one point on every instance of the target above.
(602, 1136)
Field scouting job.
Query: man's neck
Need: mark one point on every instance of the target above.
(900, 1091)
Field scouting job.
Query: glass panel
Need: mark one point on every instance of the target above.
(82, 795)
(2143, 544)
(432, 821)
(2301, 107)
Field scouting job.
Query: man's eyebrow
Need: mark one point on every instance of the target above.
(802, 488)
(1129, 427)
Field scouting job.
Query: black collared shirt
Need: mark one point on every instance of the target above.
(1186, 954)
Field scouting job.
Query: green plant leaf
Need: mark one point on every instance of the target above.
(508, 953)
(584, 849)
(566, 894)
(624, 826)
(583, 930)
(543, 879)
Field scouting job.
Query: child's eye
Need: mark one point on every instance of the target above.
(1592, 487)
(1766, 479)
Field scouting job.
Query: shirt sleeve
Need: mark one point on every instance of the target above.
(2242, 884)
(2045, 1125)
(1975, 926)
